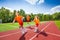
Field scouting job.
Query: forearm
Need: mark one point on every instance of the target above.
(13, 20)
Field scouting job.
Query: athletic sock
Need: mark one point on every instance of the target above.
(35, 29)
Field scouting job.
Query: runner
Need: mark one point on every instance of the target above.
(28, 19)
(37, 22)
(19, 19)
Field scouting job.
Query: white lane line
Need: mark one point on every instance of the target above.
(53, 34)
(9, 34)
(12, 33)
(38, 33)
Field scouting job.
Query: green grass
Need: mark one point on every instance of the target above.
(58, 24)
(10, 26)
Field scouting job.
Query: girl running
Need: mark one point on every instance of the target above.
(37, 22)
(19, 19)
(28, 19)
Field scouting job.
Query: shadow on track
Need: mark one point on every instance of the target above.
(43, 33)
(22, 37)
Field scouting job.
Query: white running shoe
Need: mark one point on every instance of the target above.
(23, 30)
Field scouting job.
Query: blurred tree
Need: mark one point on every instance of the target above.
(4, 14)
(56, 16)
(21, 12)
(32, 16)
(8, 16)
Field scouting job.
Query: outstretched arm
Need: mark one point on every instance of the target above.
(13, 20)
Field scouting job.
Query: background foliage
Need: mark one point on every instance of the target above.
(7, 16)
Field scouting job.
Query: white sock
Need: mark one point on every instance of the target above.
(36, 28)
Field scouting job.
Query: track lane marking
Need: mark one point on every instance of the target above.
(53, 34)
(9, 34)
(38, 33)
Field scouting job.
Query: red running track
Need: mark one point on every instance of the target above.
(51, 30)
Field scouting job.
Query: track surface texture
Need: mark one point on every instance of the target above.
(48, 31)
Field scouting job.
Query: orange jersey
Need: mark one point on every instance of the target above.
(36, 20)
(28, 18)
(19, 19)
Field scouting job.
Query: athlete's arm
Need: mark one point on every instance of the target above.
(13, 20)
(32, 20)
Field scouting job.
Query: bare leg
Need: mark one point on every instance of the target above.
(23, 30)
(36, 28)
